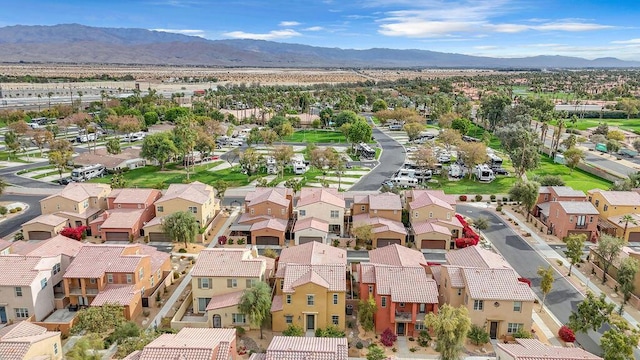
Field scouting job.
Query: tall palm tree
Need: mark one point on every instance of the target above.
(626, 219)
(49, 95)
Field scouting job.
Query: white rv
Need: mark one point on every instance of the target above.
(456, 171)
(299, 166)
(87, 172)
(405, 178)
(484, 173)
(272, 166)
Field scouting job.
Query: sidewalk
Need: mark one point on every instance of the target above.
(546, 251)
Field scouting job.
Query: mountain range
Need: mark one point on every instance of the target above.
(80, 44)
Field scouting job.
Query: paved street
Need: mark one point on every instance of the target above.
(9, 175)
(562, 300)
(392, 158)
(15, 223)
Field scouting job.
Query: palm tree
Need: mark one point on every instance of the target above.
(49, 95)
(626, 219)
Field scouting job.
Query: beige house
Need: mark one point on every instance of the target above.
(43, 227)
(191, 344)
(79, 203)
(265, 221)
(612, 206)
(311, 229)
(323, 204)
(488, 287)
(528, 349)
(432, 206)
(219, 278)
(196, 197)
(384, 231)
(385, 205)
(27, 341)
(291, 347)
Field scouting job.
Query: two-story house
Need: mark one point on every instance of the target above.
(198, 198)
(613, 206)
(400, 282)
(28, 341)
(438, 209)
(191, 344)
(120, 274)
(220, 277)
(323, 204)
(488, 287)
(266, 216)
(383, 212)
(79, 203)
(310, 287)
(128, 210)
(557, 193)
(566, 211)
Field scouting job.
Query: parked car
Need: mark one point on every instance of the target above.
(500, 171)
(64, 181)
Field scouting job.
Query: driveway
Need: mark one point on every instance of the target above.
(563, 298)
(392, 158)
(15, 223)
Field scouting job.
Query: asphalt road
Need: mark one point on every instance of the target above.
(9, 175)
(562, 299)
(13, 224)
(392, 158)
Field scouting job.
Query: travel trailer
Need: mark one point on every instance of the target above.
(484, 173)
(456, 171)
(405, 178)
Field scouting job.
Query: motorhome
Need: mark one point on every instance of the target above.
(136, 136)
(366, 151)
(272, 166)
(395, 127)
(422, 174)
(195, 157)
(494, 160)
(484, 173)
(83, 138)
(456, 171)
(87, 172)
(444, 157)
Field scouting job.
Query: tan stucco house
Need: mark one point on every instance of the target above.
(43, 227)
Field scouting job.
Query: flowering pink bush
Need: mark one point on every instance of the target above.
(566, 334)
(222, 240)
(76, 233)
(388, 337)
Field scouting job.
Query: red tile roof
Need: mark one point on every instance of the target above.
(430, 227)
(320, 195)
(273, 223)
(19, 270)
(311, 253)
(385, 201)
(195, 192)
(225, 300)
(133, 196)
(416, 286)
(379, 224)
(94, 260)
(311, 223)
(57, 245)
(476, 256)
(276, 303)
(16, 340)
(455, 275)
(532, 349)
(47, 219)
(81, 191)
(421, 198)
(620, 198)
(124, 219)
(189, 344)
(396, 255)
(300, 348)
(330, 276)
(228, 262)
(496, 284)
(116, 294)
(274, 195)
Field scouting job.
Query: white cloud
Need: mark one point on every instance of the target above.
(288, 23)
(630, 42)
(190, 32)
(570, 26)
(314, 28)
(486, 47)
(271, 35)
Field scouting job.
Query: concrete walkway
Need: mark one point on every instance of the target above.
(186, 280)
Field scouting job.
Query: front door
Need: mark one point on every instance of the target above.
(400, 329)
(3, 315)
(493, 330)
(217, 321)
(311, 322)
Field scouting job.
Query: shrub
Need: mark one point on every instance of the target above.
(240, 331)
(18, 209)
(505, 199)
(335, 243)
(424, 338)
(394, 349)
(566, 334)
(293, 330)
(176, 275)
(359, 345)
(463, 197)
(411, 338)
(356, 248)
(13, 211)
(74, 233)
(387, 338)
(182, 251)
(3, 210)
(499, 208)
(478, 197)
(369, 247)
(478, 335)
(230, 241)
(146, 313)
(331, 331)
(240, 241)
(559, 262)
(413, 349)
(492, 197)
(522, 334)
(222, 240)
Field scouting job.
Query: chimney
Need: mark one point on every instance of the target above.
(254, 251)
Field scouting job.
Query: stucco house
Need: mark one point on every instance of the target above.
(310, 287)
(400, 282)
(127, 212)
(612, 206)
(323, 204)
(528, 349)
(435, 207)
(43, 227)
(198, 198)
(565, 218)
(120, 274)
(266, 216)
(191, 344)
(488, 287)
(79, 203)
(311, 229)
(219, 278)
(28, 341)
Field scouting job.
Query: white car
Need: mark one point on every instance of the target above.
(412, 149)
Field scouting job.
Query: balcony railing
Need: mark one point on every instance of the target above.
(78, 291)
(403, 316)
(581, 226)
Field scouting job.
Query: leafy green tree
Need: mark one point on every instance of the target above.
(250, 160)
(450, 326)
(626, 220)
(526, 192)
(159, 147)
(293, 184)
(181, 226)
(626, 278)
(358, 131)
(613, 146)
(256, 304)
(413, 130)
(492, 108)
(462, 124)
(591, 313)
(472, 154)
(184, 137)
(546, 282)
(60, 154)
(293, 330)
(221, 187)
(481, 223)
(376, 353)
(130, 344)
(574, 252)
(3, 186)
(344, 117)
(378, 105)
(363, 233)
(118, 181)
(82, 349)
(283, 155)
(173, 114)
(12, 141)
(366, 310)
(113, 146)
(330, 331)
(608, 248)
(573, 157)
(619, 342)
(629, 106)
(99, 319)
(478, 335)
(449, 138)
(151, 118)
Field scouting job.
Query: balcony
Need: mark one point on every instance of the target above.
(581, 226)
(403, 316)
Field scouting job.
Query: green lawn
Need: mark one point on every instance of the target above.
(316, 136)
(378, 152)
(501, 185)
(578, 179)
(376, 120)
(632, 125)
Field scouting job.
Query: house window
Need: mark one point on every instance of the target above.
(204, 283)
(335, 319)
(119, 206)
(288, 319)
(370, 289)
(362, 207)
(605, 208)
(459, 292)
(415, 214)
(43, 283)
(160, 209)
(58, 206)
(252, 211)
(383, 301)
(56, 268)
(335, 214)
(238, 318)
(546, 197)
(478, 305)
(92, 280)
(514, 327)
(311, 300)
(288, 299)
(335, 299)
(18, 291)
(430, 215)
(269, 211)
(110, 278)
(152, 281)
(448, 216)
(250, 283)
(282, 211)
(591, 219)
(570, 218)
(375, 211)
(517, 306)
(202, 304)
(302, 212)
(401, 305)
(232, 283)
(193, 209)
(597, 203)
(55, 348)
(22, 312)
(141, 273)
(129, 278)
(281, 284)
(419, 326)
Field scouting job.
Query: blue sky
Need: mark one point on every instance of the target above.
(504, 28)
